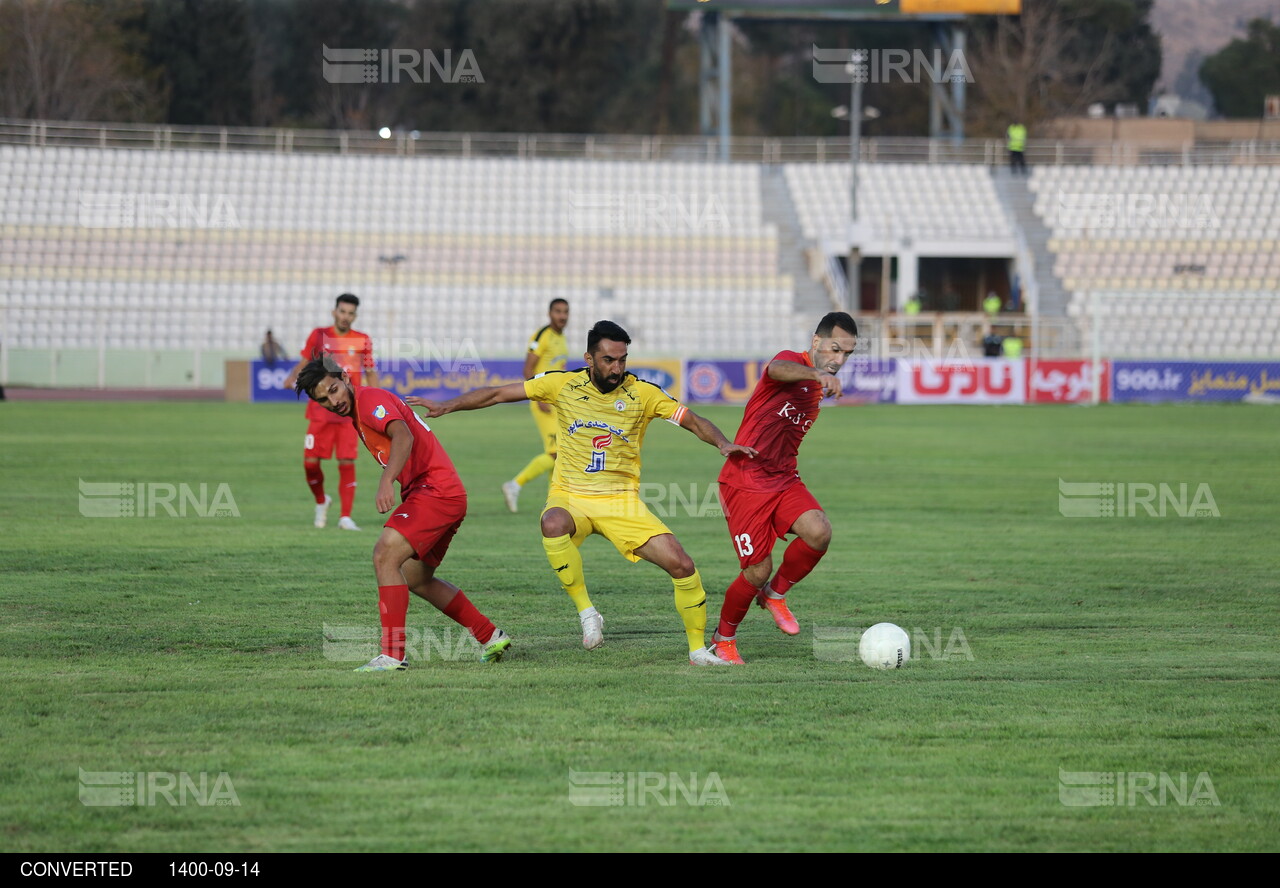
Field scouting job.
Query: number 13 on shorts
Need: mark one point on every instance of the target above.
(743, 542)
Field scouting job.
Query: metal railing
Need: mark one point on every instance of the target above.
(742, 149)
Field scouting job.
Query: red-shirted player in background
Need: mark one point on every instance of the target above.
(432, 504)
(764, 498)
(353, 351)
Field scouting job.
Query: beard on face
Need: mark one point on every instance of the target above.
(603, 383)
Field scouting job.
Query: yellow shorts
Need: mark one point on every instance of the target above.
(621, 518)
(548, 426)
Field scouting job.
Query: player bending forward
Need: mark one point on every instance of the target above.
(432, 504)
(603, 412)
(763, 498)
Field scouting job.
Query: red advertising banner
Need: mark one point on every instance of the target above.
(958, 381)
(1065, 382)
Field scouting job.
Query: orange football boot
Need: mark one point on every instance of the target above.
(727, 649)
(777, 608)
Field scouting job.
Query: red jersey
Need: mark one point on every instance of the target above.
(774, 423)
(428, 465)
(352, 350)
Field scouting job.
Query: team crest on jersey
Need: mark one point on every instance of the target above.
(379, 412)
(619, 405)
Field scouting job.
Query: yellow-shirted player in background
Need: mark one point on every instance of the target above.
(548, 350)
(602, 413)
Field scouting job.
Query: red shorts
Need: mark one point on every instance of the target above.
(323, 436)
(758, 518)
(428, 522)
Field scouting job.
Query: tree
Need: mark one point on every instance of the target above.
(567, 66)
(66, 60)
(1118, 35)
(1243, 72)
(1056, 59)
(204, 50)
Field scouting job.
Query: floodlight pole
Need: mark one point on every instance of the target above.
(856, 59)
(715, 81)
(726, 77)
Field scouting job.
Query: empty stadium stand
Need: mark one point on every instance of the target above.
(1172, 261)
(137, 248)
(150, 252)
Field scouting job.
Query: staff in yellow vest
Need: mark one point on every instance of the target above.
(1017, 145)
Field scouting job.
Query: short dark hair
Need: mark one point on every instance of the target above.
(557, 301)
(313, 372)
(350, 298)
(605, 330)
(834, 319)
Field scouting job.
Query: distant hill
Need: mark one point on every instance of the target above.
(1191, 30)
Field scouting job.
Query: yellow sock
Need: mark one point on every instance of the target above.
(566, 561)
(691, 602)
(544, 462)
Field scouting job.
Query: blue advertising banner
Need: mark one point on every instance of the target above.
(715, 381)
(266, 381)
(425, 378)
(869, 381)
(1153, 381)
(440, 381)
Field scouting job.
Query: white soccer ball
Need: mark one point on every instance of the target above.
(885, 646)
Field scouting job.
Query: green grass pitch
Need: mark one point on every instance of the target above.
(1138, 646)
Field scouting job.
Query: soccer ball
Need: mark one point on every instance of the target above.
(884, 646)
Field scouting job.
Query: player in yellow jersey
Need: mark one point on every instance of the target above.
(548, 350)
(603, 412)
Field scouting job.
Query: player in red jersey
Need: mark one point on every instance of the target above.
(432, 504)
(763, 498)
(353, 351)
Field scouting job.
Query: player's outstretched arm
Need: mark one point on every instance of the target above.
(473, 400)
(401, 445)
(794, 371)
(706, 430)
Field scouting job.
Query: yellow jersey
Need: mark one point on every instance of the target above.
(551, 348)
(600, 435)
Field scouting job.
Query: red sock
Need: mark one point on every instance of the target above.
(737, 601)
(464, 613)
(346, 487)
(796, 564)
(393, 605)
(315, 479)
